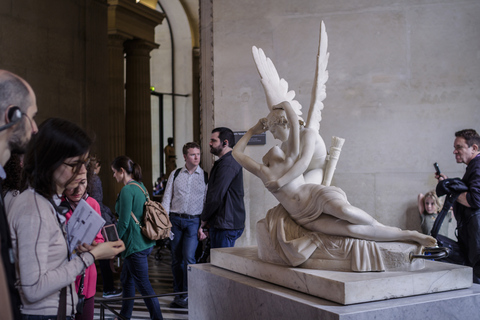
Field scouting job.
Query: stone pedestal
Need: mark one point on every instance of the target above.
(346, 287)
(216, 293)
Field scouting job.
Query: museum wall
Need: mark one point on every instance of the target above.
(57, 47)
(404, 76)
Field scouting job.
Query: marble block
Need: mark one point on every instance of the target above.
(218, 294)
(346, 287)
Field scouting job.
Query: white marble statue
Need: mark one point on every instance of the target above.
(316, 207)
(313, 153)
(298, 174)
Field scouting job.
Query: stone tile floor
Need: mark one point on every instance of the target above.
(160, 275)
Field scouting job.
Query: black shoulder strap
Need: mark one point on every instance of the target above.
(205, 176)
(449, 200)
(176, 174)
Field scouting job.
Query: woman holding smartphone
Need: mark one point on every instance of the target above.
(135, 267)
(46, 272)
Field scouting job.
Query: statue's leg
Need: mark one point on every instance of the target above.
(314, 176)
(343, 210)
(333, 226)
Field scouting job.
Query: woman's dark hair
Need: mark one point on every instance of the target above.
(13, 169)
(129, 166)
(56, 140)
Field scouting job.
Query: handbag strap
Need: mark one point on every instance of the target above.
(146, 195)
(80, 287)
(144, 192)
(134, 218)
(449, 200)
(62, 307)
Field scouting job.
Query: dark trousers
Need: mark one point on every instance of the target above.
(135, 275)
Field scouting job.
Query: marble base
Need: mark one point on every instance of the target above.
(216, 293)
(346, 287)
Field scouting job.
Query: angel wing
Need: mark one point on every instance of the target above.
(321, 77)
(276, 89)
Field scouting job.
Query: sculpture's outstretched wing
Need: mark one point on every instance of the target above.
(321, 77)
(276, 89)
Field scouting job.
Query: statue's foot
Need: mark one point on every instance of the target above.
(426, 240)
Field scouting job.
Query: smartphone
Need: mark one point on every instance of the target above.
(110, 233)
(437, 169)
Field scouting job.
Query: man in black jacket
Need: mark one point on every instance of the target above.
(467, 206)
(224, 210)
(18, 106)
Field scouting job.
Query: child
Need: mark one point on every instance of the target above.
(429, 205)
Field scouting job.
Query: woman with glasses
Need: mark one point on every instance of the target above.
(55, 160)
(135, 267)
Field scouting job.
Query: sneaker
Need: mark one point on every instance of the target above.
(112, 294)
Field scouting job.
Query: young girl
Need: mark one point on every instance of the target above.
(71, 199)
(429, 205)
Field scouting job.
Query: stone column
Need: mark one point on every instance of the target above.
(207, 105)
(116, 116)
(138, 133)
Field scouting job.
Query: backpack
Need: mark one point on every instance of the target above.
(156, 223)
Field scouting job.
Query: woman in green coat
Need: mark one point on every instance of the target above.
(138, 248)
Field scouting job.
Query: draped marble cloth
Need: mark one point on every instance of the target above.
(295, 245)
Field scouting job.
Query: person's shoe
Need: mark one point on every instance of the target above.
(180, 302)
(112, 294)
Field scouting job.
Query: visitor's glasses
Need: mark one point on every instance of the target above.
(78, 164)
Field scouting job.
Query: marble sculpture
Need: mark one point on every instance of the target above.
(311, 216)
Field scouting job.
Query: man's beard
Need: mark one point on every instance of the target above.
(18, 143)
(216, 151)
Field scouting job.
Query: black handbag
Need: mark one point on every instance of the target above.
(81, 296)
(452, 188)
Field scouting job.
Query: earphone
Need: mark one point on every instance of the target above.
(224, 143)
(14, 115)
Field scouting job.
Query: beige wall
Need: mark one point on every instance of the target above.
(404, 76)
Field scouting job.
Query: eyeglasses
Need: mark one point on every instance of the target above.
(78, 164)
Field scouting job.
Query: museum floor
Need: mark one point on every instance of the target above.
(161, 278)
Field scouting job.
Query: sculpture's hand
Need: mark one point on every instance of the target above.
(272, 185)
(260, 127)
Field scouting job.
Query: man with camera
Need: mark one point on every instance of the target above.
(467, 206)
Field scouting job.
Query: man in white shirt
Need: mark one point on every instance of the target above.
(183, 199)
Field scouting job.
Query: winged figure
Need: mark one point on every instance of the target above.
(312, 159)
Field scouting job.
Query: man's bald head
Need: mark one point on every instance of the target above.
(14, 91)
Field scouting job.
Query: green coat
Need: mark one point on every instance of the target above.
(131, 199)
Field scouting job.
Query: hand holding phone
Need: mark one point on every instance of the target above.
(437, 169)
(110, 233)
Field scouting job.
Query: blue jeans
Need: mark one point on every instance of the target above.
(222, 238)
(135, 274)
(183, 247)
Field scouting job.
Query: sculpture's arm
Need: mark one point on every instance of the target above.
(301, 161)
(421, 203)
(294, 134)
(238, 151)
